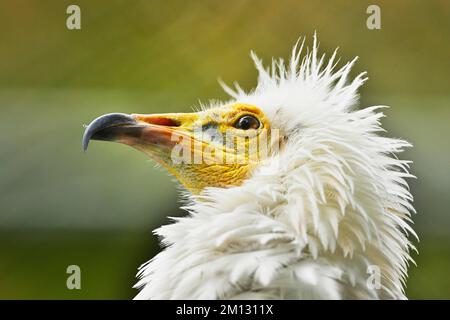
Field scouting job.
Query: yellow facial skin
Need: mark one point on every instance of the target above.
(218, 162)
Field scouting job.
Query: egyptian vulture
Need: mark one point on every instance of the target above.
(319, 210)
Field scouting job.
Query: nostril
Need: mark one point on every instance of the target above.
(158, 120)
(164, 122)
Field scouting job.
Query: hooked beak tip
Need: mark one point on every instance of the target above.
(85, 143)
(103, 122)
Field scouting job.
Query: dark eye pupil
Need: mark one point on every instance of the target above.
(247, 122)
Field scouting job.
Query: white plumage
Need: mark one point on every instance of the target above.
(310, 220)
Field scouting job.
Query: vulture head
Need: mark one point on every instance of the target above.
(291, 191)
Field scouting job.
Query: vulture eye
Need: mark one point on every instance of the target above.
(247, 122)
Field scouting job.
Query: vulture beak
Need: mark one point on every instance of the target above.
(135, 130)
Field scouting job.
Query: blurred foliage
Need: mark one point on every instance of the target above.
(59, 206)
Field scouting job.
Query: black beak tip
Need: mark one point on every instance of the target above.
(104, 122)
(86, 139)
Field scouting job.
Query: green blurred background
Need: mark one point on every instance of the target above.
(59, 206)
